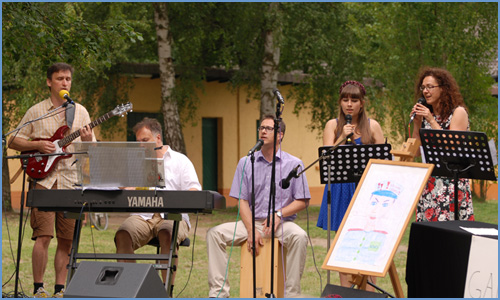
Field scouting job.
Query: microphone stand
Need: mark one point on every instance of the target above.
(272, 196)
(4, 136)
(328, 152)
(24, 164)
(252, 159)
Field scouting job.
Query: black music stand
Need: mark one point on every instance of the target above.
(464, 154)
(346, 164)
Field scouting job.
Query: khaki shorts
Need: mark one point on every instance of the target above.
(42, 222)
(142, 231)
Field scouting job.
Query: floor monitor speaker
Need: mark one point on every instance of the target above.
(115, 280)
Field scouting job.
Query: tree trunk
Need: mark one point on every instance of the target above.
(172, 124)
(6, 199)
(269, 78)
(483, 189)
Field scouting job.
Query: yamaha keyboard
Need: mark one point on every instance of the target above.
(126, 200)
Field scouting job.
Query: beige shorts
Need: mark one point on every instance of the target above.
(42, 222)
(142, 231)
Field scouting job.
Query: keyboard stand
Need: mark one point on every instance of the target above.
(74, 255)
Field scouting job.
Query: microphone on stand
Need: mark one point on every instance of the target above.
(278, 95)
(348, 120)
(285, 183)
(420, 101)
(257, 147)
(65, 95)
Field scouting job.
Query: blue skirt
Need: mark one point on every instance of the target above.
(341, 195)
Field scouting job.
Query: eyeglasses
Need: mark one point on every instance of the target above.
(266, 128)
(429, 87)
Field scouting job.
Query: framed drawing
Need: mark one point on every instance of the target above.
(377, 216)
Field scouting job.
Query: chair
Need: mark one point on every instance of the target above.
(156, 243)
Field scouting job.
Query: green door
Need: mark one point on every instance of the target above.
(209, 146)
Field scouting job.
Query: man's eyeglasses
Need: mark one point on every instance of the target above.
(266, 128)
(429, 87)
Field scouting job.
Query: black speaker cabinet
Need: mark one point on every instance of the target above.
(115, 280)
(335, 291)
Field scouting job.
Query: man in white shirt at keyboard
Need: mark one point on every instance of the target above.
(138, 229)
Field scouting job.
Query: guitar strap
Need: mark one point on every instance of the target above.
(70, 115)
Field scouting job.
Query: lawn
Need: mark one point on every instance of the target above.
(193, 261)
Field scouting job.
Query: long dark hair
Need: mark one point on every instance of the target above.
(354, 90)
(450, 92)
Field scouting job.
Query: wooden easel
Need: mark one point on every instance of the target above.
(362, 280)
(408, 151)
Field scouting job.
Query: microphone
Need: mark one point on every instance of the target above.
(420, 101)
(65, 95)
(278, 95)
(256, 147)
(285, 183)
(348, 120)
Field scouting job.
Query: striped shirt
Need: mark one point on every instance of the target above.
(64, 172)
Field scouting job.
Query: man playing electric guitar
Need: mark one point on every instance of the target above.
(62, 176)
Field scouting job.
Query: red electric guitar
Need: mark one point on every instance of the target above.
(40, 167)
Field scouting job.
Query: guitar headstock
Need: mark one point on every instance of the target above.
(122, 109)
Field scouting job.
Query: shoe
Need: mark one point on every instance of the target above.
(59, 294)
(41, 293)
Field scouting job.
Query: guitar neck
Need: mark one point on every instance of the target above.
(67, 140)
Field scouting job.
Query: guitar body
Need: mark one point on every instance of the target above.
(40, 167)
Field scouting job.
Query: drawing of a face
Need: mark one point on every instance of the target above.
(382, 199)
(379, 206)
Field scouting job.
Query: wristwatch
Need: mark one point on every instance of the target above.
(279, 214)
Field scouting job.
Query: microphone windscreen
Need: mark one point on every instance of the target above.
(348, 119)
(62, 93)
(422, 101)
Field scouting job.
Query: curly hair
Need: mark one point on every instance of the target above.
(450, 92)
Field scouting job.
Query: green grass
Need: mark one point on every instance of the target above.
(102, 242)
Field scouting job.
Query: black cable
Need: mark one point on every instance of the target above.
(192, 258)
(91, 230)
(12, 252)
(310, 241)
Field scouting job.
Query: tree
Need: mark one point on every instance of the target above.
(271, 59)
(35, 35)
(173, 132)
(461, 37)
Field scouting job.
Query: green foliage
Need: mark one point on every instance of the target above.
(402, 37)
(35, 35)
(319, 44)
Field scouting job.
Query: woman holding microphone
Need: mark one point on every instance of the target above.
(445, 109)
(352, 118)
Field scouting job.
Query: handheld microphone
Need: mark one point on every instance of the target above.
(285, 183)
(65, 95)
(256, 147)
(278, 95)
(348, 120)
(420, 101)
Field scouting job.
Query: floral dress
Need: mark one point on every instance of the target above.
(437, 200)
